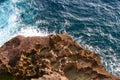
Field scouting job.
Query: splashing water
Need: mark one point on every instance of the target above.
(10, 22)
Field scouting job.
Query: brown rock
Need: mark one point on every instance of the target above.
(15, 46)
(54, 57)
(53, 76)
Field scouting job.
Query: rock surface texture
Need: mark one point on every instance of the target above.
(54, 57)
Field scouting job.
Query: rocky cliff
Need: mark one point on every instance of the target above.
(54, 57)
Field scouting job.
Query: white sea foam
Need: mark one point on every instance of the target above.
(9, 18)
(32, 31)
(13, 27)
(14, 1)
(27, 31)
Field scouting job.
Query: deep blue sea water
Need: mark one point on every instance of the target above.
(95, 24)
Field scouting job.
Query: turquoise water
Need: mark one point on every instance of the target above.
(95, 24)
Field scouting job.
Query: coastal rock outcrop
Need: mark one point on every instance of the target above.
(53, 57)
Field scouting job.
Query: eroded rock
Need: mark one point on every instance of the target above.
(55, 57)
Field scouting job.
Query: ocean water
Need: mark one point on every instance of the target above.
(95, 24)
